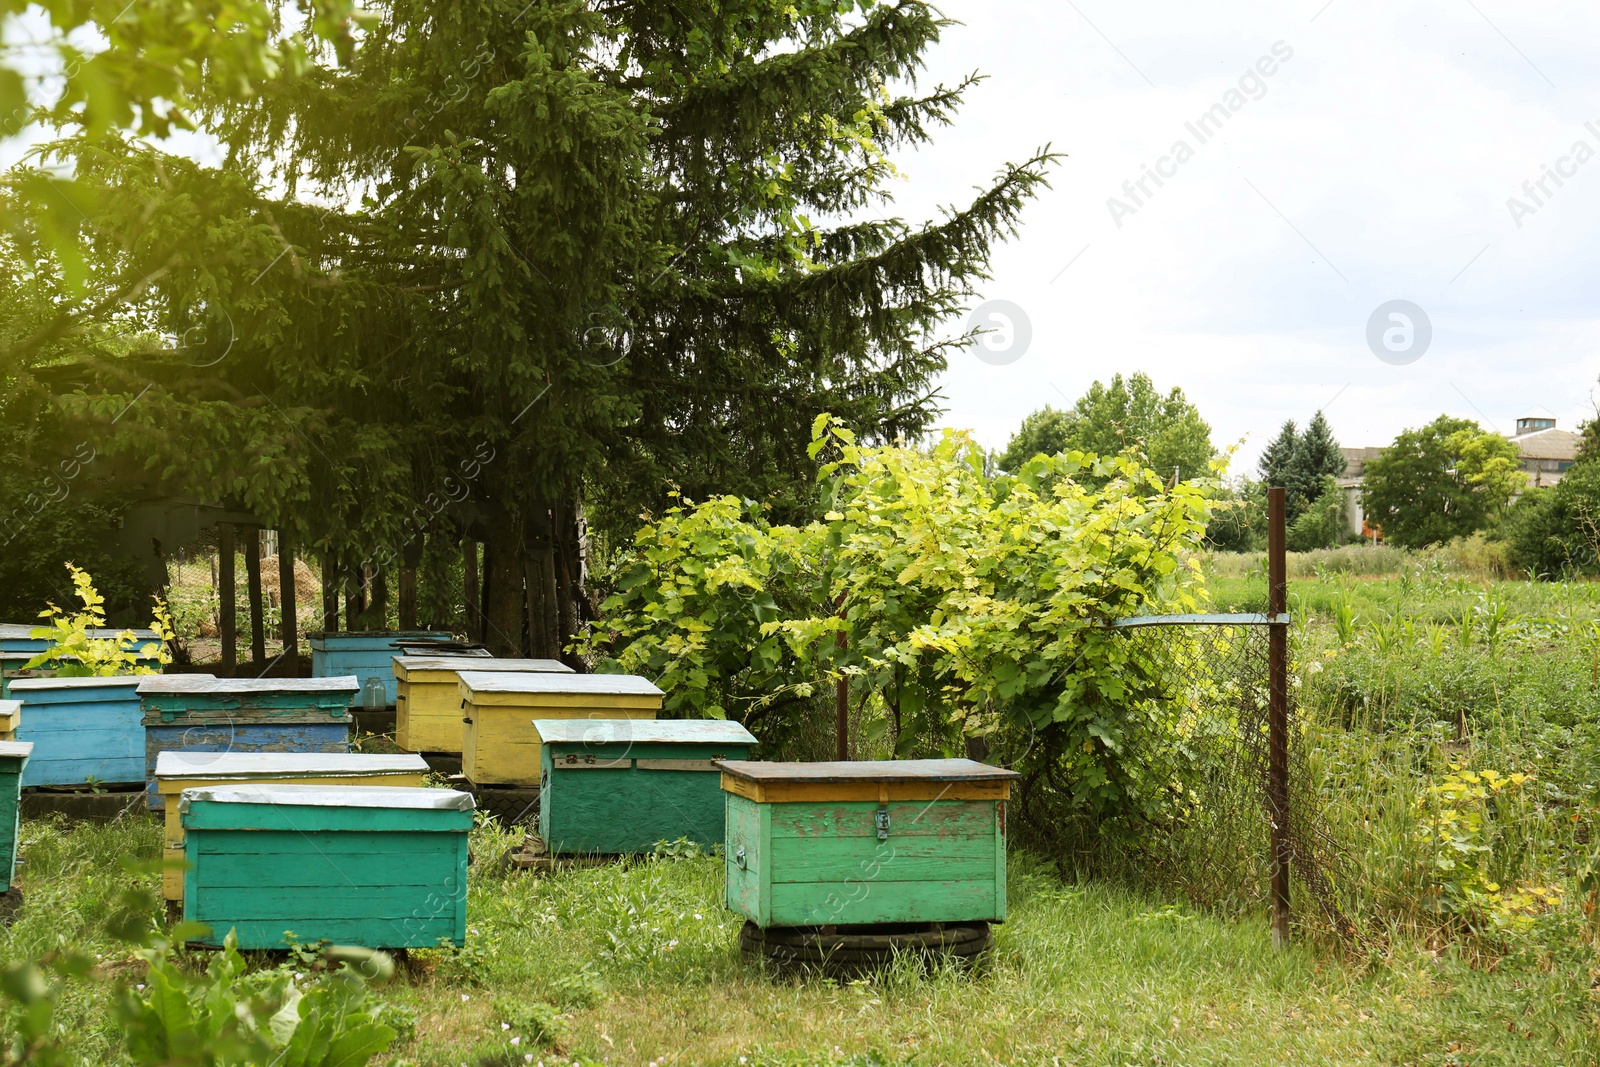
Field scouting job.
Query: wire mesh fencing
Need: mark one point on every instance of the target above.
(1214, 843)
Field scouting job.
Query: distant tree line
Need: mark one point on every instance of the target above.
(1433, 484)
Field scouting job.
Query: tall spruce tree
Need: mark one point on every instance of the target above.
(512, 259)
(1302, 461)
(1277, 458)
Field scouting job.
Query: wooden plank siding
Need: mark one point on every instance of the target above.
(604, 792)
(380, 873)
(201, 714)
(427, 699)
(176, 772)
(499, 743)
(799, 855)
(13, 759)
(364, 655)
(82, 730)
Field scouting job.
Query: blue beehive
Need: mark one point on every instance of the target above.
(18, 646)
(82, 730)
(196, 713)
(367, 655)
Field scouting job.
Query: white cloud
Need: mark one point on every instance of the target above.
(1389, 143)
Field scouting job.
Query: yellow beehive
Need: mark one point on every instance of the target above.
(499, 745)
(10, 719)
(177, 771)
(427, 703)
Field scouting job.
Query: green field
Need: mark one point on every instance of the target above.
(1474, 943)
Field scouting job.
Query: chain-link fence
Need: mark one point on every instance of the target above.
(1215, 845)
(194, 597)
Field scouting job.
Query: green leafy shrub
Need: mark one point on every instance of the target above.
(957, 607)
(1322, 524)
(75, 653)
(1459, 823)
(217, 1017)
(1556, 531)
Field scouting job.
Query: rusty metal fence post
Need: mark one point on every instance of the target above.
(1278, 711)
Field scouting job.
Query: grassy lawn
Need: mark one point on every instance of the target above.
(639, 964)
(1403, 680)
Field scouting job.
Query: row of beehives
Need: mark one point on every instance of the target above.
(266, 835)
(279, 850)
(109, 731)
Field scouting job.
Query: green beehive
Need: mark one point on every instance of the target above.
(616, 786)
(13, 757)
(374, 866)
(866, 842)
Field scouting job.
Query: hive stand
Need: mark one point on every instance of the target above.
(428, 697)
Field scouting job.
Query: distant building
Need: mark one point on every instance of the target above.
(1546, 452)
(1355, 465)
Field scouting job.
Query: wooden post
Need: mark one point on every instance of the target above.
(330, 593)
(286, 597)
(469, 581)
(1278, 711)
(841, 698)
(252, 581)
(227, 610)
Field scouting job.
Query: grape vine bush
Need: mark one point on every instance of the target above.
(960, 607)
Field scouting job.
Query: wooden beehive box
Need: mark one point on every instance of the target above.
(82, 730)
(499, 745)
(13, 763)
(11, 669)
(199, 713)
(616, 786)
(427, 703)
(373, 866)
(177, 771)
(10, 719)
(866, 842)
(368, 655)
(18, 646)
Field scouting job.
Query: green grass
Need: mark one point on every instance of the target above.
(1401, 681)
(636, 964)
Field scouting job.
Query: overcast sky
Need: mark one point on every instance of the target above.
(1373, 164)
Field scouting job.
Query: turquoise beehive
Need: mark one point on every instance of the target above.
(376, 866)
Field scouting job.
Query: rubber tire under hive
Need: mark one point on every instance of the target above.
(854, 949)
